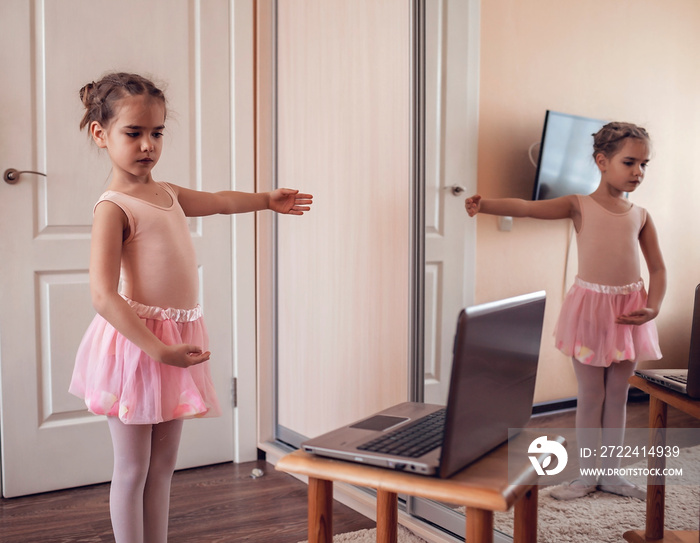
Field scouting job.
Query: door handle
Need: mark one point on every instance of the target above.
(456, 189)
(11, 175)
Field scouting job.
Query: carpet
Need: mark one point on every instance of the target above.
(596, 518)
(603, 518)
(369, 536)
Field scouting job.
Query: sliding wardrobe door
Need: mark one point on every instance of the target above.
(343, 132)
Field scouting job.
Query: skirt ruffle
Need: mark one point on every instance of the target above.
(587, 331)
(116, 378)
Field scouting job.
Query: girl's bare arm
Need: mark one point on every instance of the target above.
(198, 203)
(565, 207)
(649, 243)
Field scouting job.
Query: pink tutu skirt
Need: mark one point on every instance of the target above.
(116, 378)
(587, 331)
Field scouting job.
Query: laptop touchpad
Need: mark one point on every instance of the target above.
(379, 422)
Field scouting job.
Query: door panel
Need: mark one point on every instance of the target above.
(451, 62)
(49, 440)
(343, 134)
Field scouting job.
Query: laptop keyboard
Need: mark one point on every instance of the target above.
(412, 441)
(683, 379)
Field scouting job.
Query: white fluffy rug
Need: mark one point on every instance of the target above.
(369, 536)
(603, 517)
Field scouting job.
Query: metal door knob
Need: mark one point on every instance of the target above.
(456, 189)
(11, 175)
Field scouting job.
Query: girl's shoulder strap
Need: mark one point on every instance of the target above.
(582, 200)
(642, 213)
(579, 221)
(120, 200)
(168, 188)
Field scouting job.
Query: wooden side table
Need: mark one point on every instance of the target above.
(483, 487)
(659, 400)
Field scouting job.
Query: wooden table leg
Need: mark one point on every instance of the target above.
(656, 493)
(320, 511)
(387, 517)
(479, 526)
(525, 518)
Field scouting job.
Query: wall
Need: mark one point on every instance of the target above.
(616, 60)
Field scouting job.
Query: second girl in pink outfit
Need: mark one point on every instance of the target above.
(606, 321)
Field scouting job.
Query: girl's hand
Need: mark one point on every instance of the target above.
(640, 316)
(473, 205)
(183, 355)
(290, 202)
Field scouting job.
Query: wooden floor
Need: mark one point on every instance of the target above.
(214, 504)
(221, 503)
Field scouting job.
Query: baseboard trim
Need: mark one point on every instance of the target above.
(553, 406)
(567, 404)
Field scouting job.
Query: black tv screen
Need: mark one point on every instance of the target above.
(565, 165)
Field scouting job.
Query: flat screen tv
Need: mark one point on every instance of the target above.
(565, 165)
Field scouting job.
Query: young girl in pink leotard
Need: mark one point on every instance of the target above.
(143, 361)
(606, 321)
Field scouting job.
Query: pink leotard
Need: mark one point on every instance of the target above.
(159, 265)
(608, 243)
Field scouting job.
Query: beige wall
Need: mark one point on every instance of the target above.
(614, 60)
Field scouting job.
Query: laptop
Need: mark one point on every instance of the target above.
(684, 381)
(492, 383)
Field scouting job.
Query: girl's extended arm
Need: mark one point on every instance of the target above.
(198, 204)
(105, 257)
(564, 207)
(649, 243)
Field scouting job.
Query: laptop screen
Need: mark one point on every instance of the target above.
(496, 351)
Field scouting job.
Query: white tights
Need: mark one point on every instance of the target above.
(144, 462)
(602, 412)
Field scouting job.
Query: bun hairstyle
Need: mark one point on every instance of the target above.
(609, 139)
(100, 98)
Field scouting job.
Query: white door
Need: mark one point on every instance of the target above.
(451, 105)
(48, 51)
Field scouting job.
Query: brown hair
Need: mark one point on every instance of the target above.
(100, 98)
(609, 139)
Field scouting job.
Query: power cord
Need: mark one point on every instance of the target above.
(529, 153)
(567, 257)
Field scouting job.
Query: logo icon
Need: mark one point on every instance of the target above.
(542, 445)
